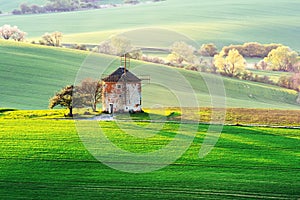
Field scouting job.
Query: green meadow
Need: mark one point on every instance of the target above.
(221, 22)
(43, 155)
(273, 75)
(45, 158)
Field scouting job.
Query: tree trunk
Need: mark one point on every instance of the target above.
(298, 99)
(70, 111)
(94, 107)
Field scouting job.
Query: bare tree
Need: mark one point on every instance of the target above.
(52, 39)
(90, 92)
(119, 45)
(180, 51)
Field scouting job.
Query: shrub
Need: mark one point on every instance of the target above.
(80, 47)
(252, 49)
(208, 50)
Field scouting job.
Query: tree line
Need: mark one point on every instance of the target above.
(65, 6)
(227, 62)
(252, 49)
(56, 6)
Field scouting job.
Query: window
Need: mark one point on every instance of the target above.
(119, 86)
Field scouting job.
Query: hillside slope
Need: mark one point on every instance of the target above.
(31, 74)
(221, 22)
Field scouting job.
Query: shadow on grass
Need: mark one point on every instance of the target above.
(3, 110)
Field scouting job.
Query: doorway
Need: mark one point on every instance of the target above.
(111, 108)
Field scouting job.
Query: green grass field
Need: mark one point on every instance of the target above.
(45, 158)
(204, 21)
(42, 155)
(31, 74)
(273, 75)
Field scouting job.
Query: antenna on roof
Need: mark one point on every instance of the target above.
(125, 61)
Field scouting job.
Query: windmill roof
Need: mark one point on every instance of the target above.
(120, 76)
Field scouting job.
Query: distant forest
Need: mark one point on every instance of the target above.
(72, 5)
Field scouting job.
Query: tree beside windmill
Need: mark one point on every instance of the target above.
(120, 92)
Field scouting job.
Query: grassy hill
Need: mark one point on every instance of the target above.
(221, 22)
(31, 74)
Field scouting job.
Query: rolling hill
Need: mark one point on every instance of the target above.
(31, 74)
(221, 22)
(43, 157)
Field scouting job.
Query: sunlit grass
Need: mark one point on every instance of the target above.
(46, 155)
(232, 116)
